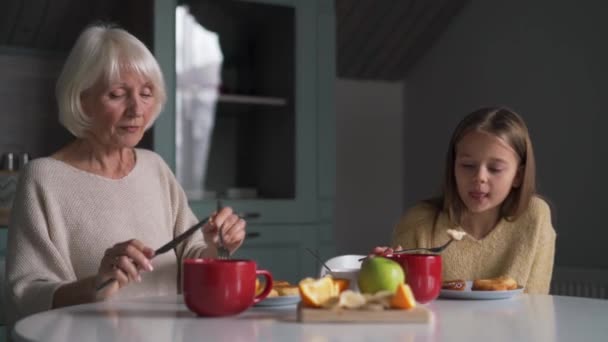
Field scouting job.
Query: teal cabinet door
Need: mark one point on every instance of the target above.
(282, 250)
(3, 233)
(294, 112)
(3, 236)
(277, 146)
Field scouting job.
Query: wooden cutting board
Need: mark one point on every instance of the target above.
(419, 314)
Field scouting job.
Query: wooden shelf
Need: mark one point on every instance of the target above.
(249, 99)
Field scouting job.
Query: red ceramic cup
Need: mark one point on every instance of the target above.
(422, 273)
(214, 287)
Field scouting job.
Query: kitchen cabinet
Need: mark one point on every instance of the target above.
(271, 149)
(3, 234)
(282, 142)
(281, 249)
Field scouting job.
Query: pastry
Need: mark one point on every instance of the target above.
(502, 283)
(455, 285)
(287, 290)
(280, 283)
(279, 288)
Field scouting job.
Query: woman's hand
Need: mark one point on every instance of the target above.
(123, 262)
(233, 229)
(384, 251)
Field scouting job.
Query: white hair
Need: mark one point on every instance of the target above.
(101, 53)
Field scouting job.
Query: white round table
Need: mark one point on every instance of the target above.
(521, 318)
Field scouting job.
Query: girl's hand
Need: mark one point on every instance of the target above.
(233, 229)
(384, 251)
(123, 262)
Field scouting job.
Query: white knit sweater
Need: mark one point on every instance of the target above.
(64, 219)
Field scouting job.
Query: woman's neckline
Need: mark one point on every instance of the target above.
(97, 175)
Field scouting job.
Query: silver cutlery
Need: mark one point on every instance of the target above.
(318, 259)
(434, 250)
(222, 251)
(166, 247)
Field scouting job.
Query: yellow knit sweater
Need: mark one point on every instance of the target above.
(523, 249)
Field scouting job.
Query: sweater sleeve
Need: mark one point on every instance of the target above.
(35, 265)
(541, 272)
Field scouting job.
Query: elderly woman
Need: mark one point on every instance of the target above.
(99, 207)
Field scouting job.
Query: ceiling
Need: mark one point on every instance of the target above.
(376, 39)
(383, 39)
(53, 25)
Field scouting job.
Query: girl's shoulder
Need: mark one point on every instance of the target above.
(538, 207)
(537, 215)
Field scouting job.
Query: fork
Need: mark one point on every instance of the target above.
(437, 250)
(222, 251)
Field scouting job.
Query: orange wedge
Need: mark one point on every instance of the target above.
(258, 287)
(341, 284)
(403, 298)
(315, 292)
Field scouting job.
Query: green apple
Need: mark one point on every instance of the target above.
(378, 273)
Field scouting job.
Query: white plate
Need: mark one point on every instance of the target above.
(279, 301)
(483, 295)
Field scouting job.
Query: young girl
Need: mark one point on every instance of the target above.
(489, 192)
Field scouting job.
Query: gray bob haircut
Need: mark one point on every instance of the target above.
(101, 53)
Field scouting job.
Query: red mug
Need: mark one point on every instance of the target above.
(422, 273)
(217, 287)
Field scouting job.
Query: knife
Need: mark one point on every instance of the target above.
(181, 237)
(166, 247)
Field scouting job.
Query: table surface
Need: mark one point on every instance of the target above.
(521, 318)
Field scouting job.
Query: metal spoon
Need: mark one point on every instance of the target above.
(222, 251)
(318, 259)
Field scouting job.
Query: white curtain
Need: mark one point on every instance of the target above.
(198, 60)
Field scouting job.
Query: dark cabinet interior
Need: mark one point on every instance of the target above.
(253, 143)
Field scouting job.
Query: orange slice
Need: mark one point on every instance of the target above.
(341, 284)
(315, 292)
(403, 298)
(258, 287)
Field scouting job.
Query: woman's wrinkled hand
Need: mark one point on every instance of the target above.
(122, 262)
(233, 229)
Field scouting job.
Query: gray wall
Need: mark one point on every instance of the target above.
(28, 116)
(369, 150)
(546, 59)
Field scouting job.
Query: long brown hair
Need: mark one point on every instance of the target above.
(510, 127)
